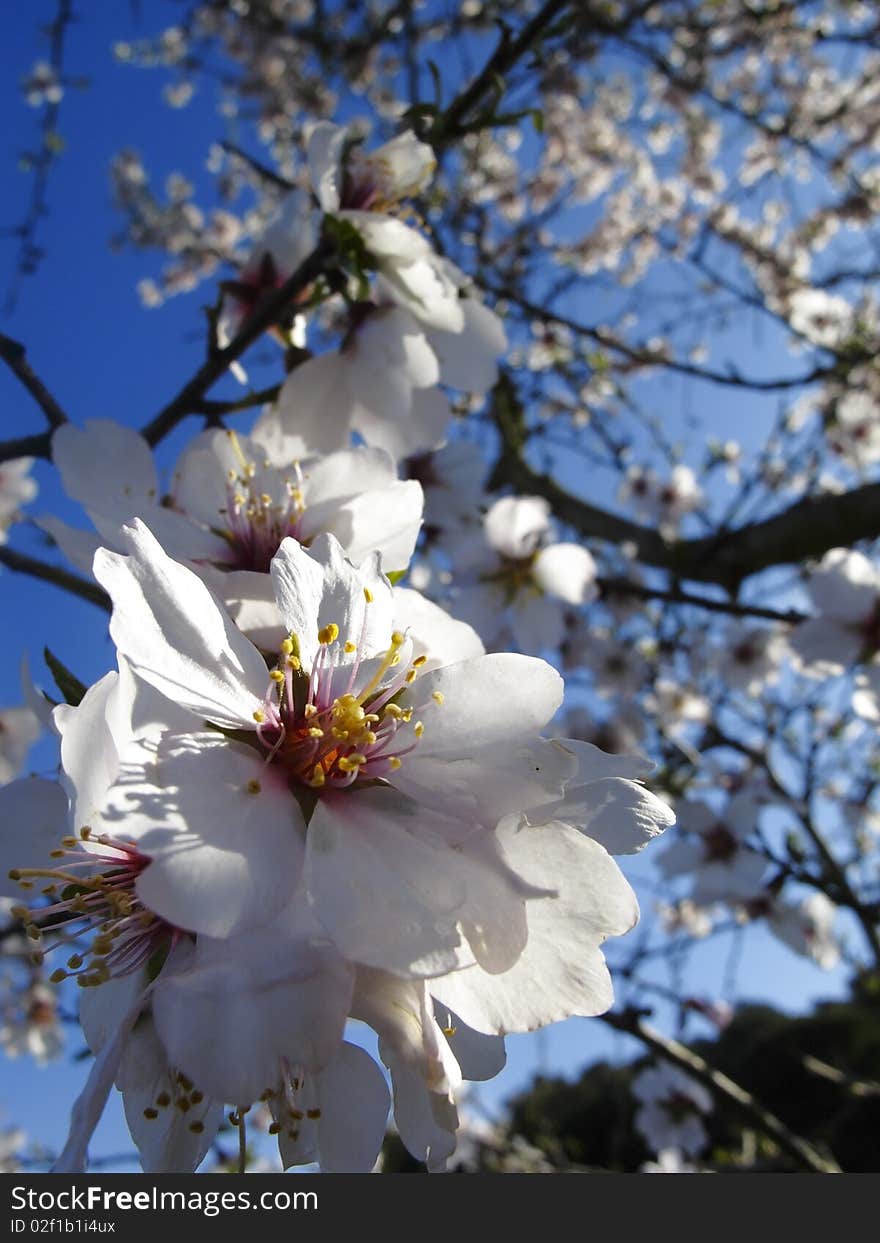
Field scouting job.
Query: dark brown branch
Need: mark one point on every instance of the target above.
(39, 445)
(262, 170)
(14, 355)
(807, 529)
(68, 581)
(191, 397)
(456, 119)
(217, 408)
(619, 586)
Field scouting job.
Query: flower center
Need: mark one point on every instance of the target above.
(256, 520)
(719, 844)
(104, 907)
(328, 730)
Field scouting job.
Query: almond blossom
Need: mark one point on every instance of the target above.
(358, 825)
(233, 499)
(17, 487)
(516, 574)
(845, 589)
(671, 1105)
(722, 865)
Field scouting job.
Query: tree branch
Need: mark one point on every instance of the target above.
(800, 1151)
(808, 528)
(453, 122)
(191, 397)
(39, 445)
(14, 354)
(22, 564)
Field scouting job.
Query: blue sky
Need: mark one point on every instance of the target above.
(104, 356)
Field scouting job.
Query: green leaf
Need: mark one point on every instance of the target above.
(394, 576)
(68, 683)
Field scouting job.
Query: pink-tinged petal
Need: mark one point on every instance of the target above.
(223, 832)
(176, 636)
(561, 971)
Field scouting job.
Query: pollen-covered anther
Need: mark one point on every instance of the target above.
(98, 901)
(328, 634)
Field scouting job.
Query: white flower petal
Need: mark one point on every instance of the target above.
(468, 359)
(223, 832)
(561, 971)
(515, 525)
(324, 154)
(106, 467)
(241, 1008)
(176, 636)
(354, 1100)
(566, 571)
